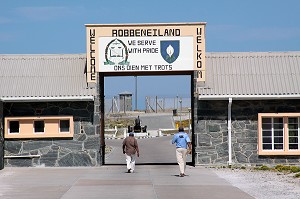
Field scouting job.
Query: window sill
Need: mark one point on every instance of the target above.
(274, 153)
(61, 135)
(51, 127)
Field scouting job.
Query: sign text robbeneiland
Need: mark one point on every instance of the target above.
(146, 41)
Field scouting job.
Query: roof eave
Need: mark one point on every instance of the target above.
(247, 97)
(47, 99)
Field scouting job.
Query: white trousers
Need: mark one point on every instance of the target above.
(181, 158)
(130, 160)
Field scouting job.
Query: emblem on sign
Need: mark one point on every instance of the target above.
(169, 50)
(116, 52)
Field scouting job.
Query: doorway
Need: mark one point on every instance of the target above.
(157, 109)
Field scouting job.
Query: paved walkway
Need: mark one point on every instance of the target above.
(152, 150)
(112, 182)
(157, 121)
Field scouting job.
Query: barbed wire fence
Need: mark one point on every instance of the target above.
(153, 104)
(166, 104)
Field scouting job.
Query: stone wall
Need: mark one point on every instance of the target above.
(1, 137)
(211, 131)
(81, 150)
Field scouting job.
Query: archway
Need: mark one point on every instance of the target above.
(144, 50)
(155, 149)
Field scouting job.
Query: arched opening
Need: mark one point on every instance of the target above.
(161, 114)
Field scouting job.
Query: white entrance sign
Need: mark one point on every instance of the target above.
(145, 54)
(145, 47)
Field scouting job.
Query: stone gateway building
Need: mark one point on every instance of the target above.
(246, 112)
(48, 112)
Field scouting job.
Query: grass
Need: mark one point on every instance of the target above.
(262, 168)
(286, 169)
(281, 168)
(119, 122)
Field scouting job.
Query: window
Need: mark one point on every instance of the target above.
(39, 126)
(293, 131)
(14, 127)
(64, 126)
(279, 134)
(272, 133)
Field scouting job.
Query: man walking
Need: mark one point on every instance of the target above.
(131, 150)
(182, 141)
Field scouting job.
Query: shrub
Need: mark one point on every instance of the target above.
(295, 169)
(282, 168)
(297, 175)
(263, 168)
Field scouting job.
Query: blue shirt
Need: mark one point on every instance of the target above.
(181, 139)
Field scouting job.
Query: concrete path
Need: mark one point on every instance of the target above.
(157, 121)
(112, 182)
(158, 150)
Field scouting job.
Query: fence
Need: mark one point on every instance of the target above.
(163, 104)
(152, 104)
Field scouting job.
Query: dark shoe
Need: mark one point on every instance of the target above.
(181, 175)
(129, 171)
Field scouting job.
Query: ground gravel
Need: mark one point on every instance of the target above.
(262, 184)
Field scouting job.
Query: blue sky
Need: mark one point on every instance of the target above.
(57, 27)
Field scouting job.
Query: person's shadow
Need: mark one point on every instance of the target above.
(181, 176)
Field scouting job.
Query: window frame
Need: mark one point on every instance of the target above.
(295, 130)
(9, 127)
(34, 126)
(285, 150)
(59, 126)
(27, 130)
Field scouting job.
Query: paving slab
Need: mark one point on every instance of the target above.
(111, 182)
